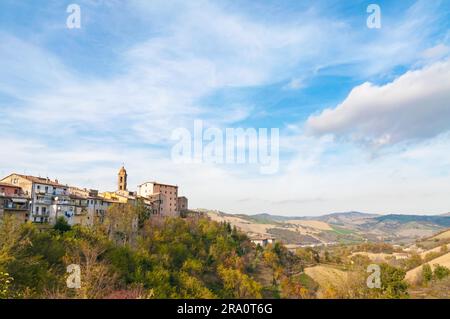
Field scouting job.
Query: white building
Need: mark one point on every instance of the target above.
(43, 193)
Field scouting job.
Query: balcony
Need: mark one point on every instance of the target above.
(40, 214)
(15, 206)
(64, 202)
(43, 201)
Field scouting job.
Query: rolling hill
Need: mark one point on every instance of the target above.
(413, 275)
(343, 227)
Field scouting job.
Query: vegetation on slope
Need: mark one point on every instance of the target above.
(134, 256)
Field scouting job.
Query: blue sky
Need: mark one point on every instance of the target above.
(364, 114)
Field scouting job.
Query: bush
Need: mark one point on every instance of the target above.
(440, 272)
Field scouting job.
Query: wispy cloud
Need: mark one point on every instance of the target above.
(65, 115)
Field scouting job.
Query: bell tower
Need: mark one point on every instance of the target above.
(122, 179)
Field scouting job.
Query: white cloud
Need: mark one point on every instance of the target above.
(414, 106)
(197, 48)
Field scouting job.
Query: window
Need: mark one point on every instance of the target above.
(46, 189)
(44, 210)
(38, 187)
(37, 210)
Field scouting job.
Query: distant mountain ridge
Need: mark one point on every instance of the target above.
(344, 227)
(332, 216)
(441, 220)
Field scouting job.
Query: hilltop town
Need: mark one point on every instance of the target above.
(43, 201)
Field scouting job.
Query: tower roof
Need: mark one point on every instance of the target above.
(122, 170)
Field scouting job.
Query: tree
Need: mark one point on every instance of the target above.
(12, 234)
(122, 222)
(292, 288)
(142, 213)
(427, 273)
(238, 285)
(392, 282)
(62, 225)
(97, 279)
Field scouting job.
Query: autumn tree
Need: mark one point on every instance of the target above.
(122, 221)
(238, 285)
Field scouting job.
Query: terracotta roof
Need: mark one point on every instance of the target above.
(41, 180)
(156, 183)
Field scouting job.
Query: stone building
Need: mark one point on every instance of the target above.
(166, 196)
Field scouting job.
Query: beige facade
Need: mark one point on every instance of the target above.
(15, 206)
(45, 195)
(13, 202)
(96, 205)
(165, 194)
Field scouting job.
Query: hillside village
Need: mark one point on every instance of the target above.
(43, 201)
(278, 257)
(210, 254)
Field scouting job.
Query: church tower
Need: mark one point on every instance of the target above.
(122, 179)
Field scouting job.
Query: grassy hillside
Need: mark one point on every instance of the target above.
(414, 276)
